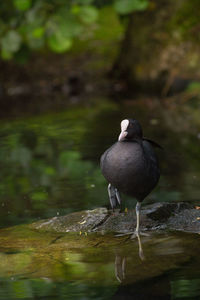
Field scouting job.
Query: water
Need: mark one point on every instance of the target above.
(98, 267)
(50, 166)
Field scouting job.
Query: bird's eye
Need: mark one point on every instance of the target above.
(130, 125)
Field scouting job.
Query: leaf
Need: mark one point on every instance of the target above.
(59, 43)
(75, 9)
(127, 6)
(66, 24)
(38, 32)
(11, 42)
(34, 36)
(88, 14)
(22, 4)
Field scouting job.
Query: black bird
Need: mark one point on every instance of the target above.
(130, 166)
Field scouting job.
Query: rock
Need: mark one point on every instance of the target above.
(157, 216)
(187, 220)
(123, 222)
(86, 220)
(161, 211)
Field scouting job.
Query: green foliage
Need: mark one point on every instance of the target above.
(10, 43)
(57, 25)
(41, 23)
(185, 22)
(53, 25)
(87, 14)
(59, 43)
(127, 6)
(194, 87)
(22, 4)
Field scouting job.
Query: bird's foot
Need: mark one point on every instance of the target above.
(138, 233)
(124, 233)
(133, 234)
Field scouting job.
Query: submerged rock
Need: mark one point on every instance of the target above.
(158, 216)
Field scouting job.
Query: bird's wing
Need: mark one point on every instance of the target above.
(154, 144)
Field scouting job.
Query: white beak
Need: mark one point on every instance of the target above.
(122, 135)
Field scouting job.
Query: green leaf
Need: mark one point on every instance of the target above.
(59, 43)
(11, 42)
(88, 14)
(75, 9)
(38, 32)
(127, 6)
(64, 24)
(22, 4)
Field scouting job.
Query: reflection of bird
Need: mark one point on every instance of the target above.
(120, 265)
(120, 262)
(130, 166)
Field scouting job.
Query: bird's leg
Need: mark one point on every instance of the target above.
(137, 208)
(118, 196)
(137, 230)
(112, 196)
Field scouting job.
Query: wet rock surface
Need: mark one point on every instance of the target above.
(158, 216)
(86, 220)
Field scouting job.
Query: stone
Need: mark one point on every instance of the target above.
(154, 217)
(86, 220)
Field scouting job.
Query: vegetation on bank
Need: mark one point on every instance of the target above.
(31, 25)
(141, 42)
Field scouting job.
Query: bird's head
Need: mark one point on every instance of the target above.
(130, 129)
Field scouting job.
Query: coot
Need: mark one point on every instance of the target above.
(130, 166)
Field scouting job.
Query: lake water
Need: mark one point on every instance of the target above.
(50, 167)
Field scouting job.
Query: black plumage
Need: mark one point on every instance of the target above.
(131, 165)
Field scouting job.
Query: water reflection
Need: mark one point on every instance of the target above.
(120, 268)
(120, 262)
(112, 268)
